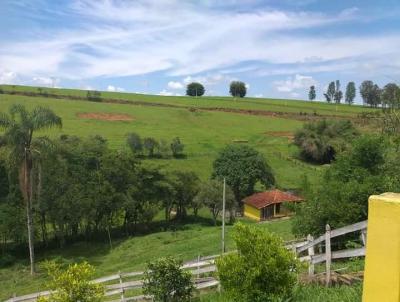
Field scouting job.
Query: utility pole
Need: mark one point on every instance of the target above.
(223, 218)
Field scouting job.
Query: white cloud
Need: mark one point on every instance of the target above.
(165, 92)
(294, 94)
(258, 95)
(295, 83)
(112, 88)
(175, 85)
(46, 81)
(209, 79)
(125, 38)
(8, 77)
(247, 86)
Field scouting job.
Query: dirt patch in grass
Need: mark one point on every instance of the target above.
(289, 135)
(106, 116)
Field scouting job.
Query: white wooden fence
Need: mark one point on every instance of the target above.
(308, 246)
(118, 286)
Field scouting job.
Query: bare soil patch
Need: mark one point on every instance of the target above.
(106, 116)
(289, 135)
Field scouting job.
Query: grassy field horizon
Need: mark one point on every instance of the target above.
(205, 125)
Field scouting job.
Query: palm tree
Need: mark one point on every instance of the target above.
(19, 126)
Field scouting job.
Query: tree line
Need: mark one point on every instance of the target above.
(56, 191)
(149, 146)
(371, 94)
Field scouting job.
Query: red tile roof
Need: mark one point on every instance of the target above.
(263, 199)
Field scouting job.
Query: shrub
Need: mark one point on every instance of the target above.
(167, 282)
(177, 147)
(73, 284)
(237, 89)
(93, 95)
(320, 141)
(135, 143)
(195, 89)
(262, 270)
(6, 260)
(151, 145)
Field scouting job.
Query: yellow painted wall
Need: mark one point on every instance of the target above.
(382, 262)
(252, 212)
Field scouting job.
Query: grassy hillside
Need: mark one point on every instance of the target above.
(205, 125)
(131, 254)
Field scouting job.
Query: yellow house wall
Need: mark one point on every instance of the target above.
(382, 261)
(252, 212)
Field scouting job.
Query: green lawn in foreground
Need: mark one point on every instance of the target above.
(131, 254)
(204, 133)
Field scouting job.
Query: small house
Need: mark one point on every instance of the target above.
(268, 204)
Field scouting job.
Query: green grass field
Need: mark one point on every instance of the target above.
(204, 132)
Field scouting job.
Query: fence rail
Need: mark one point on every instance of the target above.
(202, 266)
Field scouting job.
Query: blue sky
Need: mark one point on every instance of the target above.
(279, 48)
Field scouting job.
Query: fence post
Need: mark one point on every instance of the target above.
(198, 266)
(328, 254)
(311, 254)
(364, 236)
(120, 284)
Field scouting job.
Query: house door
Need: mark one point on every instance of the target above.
(268, 212)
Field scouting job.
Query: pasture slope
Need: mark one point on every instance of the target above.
(205, 125)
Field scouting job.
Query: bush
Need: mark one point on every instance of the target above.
(73, 284)
(93, 95)
(320, 141)
(262, 270)
(237, 89)
(167, 282)
(6, 260)
(151, 145)
(195, 89)
(177, 147)
(135, 143)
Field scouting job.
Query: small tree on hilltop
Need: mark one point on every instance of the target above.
(195, 89)
(238, 89)
(242, 167)
(165, 281)
(338, 93)
(262, 269)
(311, 93)
(177, 147)
(73, 284)
(350, 93)
(370, 93)
(330, 93)
(391, 96)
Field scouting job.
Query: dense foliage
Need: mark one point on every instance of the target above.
(350, 93)
(150, 147)
(261, 270)
(238, 89)
(369, 167)
(320, 141)
(312, 94)
(391, 96)
(73, 284)
(242, 167)
(195, 89)
(166, 281)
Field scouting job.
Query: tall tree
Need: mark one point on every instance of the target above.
(242, 167)
(338, 93)
(237, 89)
(330, 93)
(370, 93)
(311, 94)
(350, 93)
(19, 126)
(391, 96)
